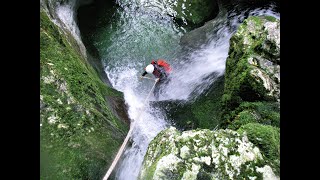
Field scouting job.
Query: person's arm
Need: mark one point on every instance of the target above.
(144, 73)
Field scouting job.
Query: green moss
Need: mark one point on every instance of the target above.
(267, 139)
(256, 19)
(163, 148)
(240, 83)
(263, 112)
(204, 112)
(250, 169)
(242, 118)
(79, 134)
(151, 169)
(183, 116)
(207, 109)
(270, 18)
(268, 112)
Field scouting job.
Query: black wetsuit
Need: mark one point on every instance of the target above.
(159, 72)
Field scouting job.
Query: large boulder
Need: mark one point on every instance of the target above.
(253, 65)
(204, 154)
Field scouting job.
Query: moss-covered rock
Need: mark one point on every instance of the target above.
(267, 113)
(194, 11)
(79, 133)
(179, 113)
(204, 112)
(196, 38)
(267, 138)
(253, 65)
(251, 99)
(196, 154)
(207, 108)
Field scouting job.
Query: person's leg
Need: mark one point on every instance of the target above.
(160, 87)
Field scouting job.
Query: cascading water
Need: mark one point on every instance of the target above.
(141, 31)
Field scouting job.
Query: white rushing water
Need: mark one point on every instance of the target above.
(193, 72)
(67, 14)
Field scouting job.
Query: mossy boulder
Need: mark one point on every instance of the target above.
(204, 154)
(203, 112)
(207, 107)
(253, 63)
(79, 133)
(194, 11)
(196, 38)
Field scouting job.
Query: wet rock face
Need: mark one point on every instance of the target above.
(198, 154)
(196, 38)
(204, 112)
(253, 64)
(79, 132)
(261, 35)
(251, 99)
(194, 11)
(245, 4)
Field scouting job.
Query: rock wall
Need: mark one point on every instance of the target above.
(253, 65)
(80, 130)
(251, 99)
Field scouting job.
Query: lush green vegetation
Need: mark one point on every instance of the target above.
(250, 99)
(267, 138)
(79, 134)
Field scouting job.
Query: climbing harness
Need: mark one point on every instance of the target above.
(129, 133)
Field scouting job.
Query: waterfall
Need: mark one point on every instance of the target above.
(140, 31)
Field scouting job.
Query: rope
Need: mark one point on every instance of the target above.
(147, 77)
(129, 134)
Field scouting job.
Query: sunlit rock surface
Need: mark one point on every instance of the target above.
(253, 64)
(199, 154)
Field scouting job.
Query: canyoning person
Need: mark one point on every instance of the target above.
(161, 70)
